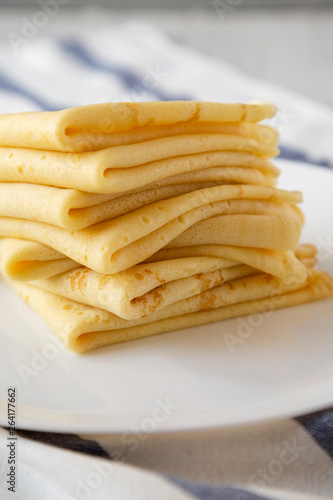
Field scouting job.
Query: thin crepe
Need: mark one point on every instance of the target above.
(73, 209)
(106, 172)
(280, 264)
(28, 261)
(87, 128)
(94, 141)
(83, 328)
(145, 288)
(142, 290)
(120, 243)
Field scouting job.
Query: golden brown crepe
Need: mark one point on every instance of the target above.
(27, 260)
(148, 287)
(24, 260)
(120, 243)
(88, 128)
(96, 172)
(131, 219)
(73, 209)
(142, 290)
(83, 328)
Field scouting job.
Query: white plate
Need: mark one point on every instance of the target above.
(284, 368)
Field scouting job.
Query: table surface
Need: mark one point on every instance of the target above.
(290, 47)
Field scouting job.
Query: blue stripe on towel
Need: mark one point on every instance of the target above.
(205, 491)
(67, 441)
(132, 82)
(10, 86)
(129, 78)
(288, 153)
(320, 426)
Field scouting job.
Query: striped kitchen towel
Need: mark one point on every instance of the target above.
(285, 460)
(134, 62)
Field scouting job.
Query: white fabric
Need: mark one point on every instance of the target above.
(279, 455)
(50, 473)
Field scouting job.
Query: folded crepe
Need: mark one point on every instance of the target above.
(119, 169)
(148, 287)
(120, 243)
(307, 254)
(95, 140)
(92, 127)
(83, 327)
(73, 209)
(142, 290)
(28, 260)
(130, 219)
(24, 260)
(280, 264)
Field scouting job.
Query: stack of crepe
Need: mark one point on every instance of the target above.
(120, 221)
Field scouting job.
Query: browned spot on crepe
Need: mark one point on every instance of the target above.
(73, 277)
(149, 123)
(148, 305)
(244, 112)
(102, 281)
(159, 279)
(78, 280)
(82, 281)
(208, 301)
(196, 115)
(208, 282)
